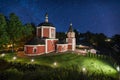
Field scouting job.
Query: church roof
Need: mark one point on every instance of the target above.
(36, 41)
(46, 24)
(70, 28)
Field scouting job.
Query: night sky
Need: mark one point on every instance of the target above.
(97, 16)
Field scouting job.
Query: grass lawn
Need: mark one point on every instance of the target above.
(90, 64)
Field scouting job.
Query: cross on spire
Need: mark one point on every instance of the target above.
(46, 17)
(70, 28)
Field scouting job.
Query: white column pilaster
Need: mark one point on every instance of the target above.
(46, 46)
(49, 32)
(54, 33)
(42, 31)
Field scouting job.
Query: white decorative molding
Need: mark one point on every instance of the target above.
(50, 51)
(24, 48)
(49, 32)
(48, 27)
(55, 33)
(73, 43)
(33, 54)
(66, 39)
(33, 45)
(41, 31)
(51, 39)
(46, 46)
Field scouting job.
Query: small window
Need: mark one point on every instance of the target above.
(52, 33)
(34, 50)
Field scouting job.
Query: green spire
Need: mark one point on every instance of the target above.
(70, 28)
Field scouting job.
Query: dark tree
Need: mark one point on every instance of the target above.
(61, 35)
(28, 32)
(14, 30)
(77, 35)
(4, 39)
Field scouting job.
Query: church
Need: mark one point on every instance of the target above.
(46, 41)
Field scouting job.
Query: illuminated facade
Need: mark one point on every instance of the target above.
(46, 41)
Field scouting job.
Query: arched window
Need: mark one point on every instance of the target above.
(52, 33)
(34, 50)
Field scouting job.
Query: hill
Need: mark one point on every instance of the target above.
(60, 64)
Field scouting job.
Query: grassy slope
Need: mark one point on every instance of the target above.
(66, 60)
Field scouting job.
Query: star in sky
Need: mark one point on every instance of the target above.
(97, 16)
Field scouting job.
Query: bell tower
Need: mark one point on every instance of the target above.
(71, 40)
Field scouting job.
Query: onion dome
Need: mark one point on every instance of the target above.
(46, 23)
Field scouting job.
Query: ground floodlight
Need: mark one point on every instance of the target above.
(84, 69)
(3, 54)
(14, 58)
(32, 60)
(118, 68)
(55, 63)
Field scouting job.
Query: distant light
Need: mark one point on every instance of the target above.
(118, 68)
(80, 45)
(14, 58)
(84, 69)
(2, 54)
(108, 40)
(32, 60)
(54, 63)
(9, 45)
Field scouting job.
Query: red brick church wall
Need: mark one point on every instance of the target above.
(69, 47)
(59, 48)
(62, 47)
(51, 46)
(29, 50)
(46, 32)
(39, 50)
